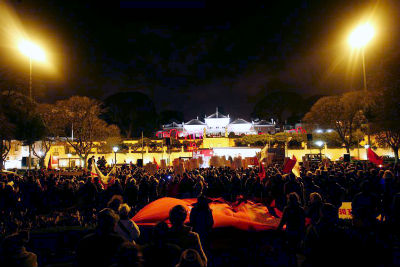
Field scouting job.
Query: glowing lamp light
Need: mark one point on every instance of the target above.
(366, 146)
(69, 155)
(115, 149)
(329, 130)
(319, 143)
(32, 50)
(318, 131)
(361, 35)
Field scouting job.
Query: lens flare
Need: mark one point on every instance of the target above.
(361, 35)
(32, 50)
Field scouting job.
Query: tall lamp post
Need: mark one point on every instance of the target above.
(358, 39)
(33, 52)
(115, 149)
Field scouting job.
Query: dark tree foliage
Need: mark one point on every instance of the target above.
(282, 106)
(384, 108)
(132, 112)
(167, 116)
(21, 112)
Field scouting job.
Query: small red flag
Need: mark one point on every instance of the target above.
(287, 168)
(155, 162)
(261, 171)
(49, 165)
(373, 157)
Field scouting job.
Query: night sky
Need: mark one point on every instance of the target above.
(199, 54)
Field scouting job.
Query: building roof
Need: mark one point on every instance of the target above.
(262, 122)
(240, 121)
(217, 115)
(173, 125)
(195, 122)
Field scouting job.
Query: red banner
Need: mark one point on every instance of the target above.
(373, 157)
(245, 215)
(287, 168)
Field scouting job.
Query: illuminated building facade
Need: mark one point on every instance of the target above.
(217, 124)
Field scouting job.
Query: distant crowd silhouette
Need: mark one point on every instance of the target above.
(310, 230)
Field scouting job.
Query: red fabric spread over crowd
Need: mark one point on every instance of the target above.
(245, 215)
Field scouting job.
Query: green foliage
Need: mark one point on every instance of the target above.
(343, 113)
(263, 139)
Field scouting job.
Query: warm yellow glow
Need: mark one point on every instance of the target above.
(32, 50)
(361, 35)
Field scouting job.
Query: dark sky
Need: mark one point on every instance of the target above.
(201, 54)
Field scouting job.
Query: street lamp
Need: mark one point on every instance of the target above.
(33, 52)
(359, 38)
(320, 143)
(115, 149)
(69, 160)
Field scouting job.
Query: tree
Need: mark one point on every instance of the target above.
(166, 116)
(82, 114)
(6, 134)
(385, 109)
(132, 112)
(22, 113)
(341, 113)
(48, 113)
(279, 105)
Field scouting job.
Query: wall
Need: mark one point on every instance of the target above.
(336, 153)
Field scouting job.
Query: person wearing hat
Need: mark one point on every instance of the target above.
(201, 219)
(182, 235)
(101, 247)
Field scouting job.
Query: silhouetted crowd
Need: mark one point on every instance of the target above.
(312, 233)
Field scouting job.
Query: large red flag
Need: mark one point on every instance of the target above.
(245, 215)
(287, 168)
(373, 157)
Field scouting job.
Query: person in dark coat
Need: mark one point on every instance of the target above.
(201, 219)
(182, 235)
(101, 247)
(14, 253)
(167, 254)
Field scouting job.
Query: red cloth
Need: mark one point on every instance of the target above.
(289, 165)
(155, 162)
(261, 172)
(244, 215)
(373, 157)
(49, 165)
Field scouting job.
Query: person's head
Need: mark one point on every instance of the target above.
(177, 215)
(388, 175)
(315, 198)
(329, 213)
(128, 255)
(124, 211)
(107, 220)
(366, 186)
(190, 258)
(115, 202)
(293, 199)
(202, 202)
(160, 231)
(16, 241)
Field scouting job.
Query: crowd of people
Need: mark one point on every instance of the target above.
(310, 203)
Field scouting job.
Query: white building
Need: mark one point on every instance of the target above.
(217, 124)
